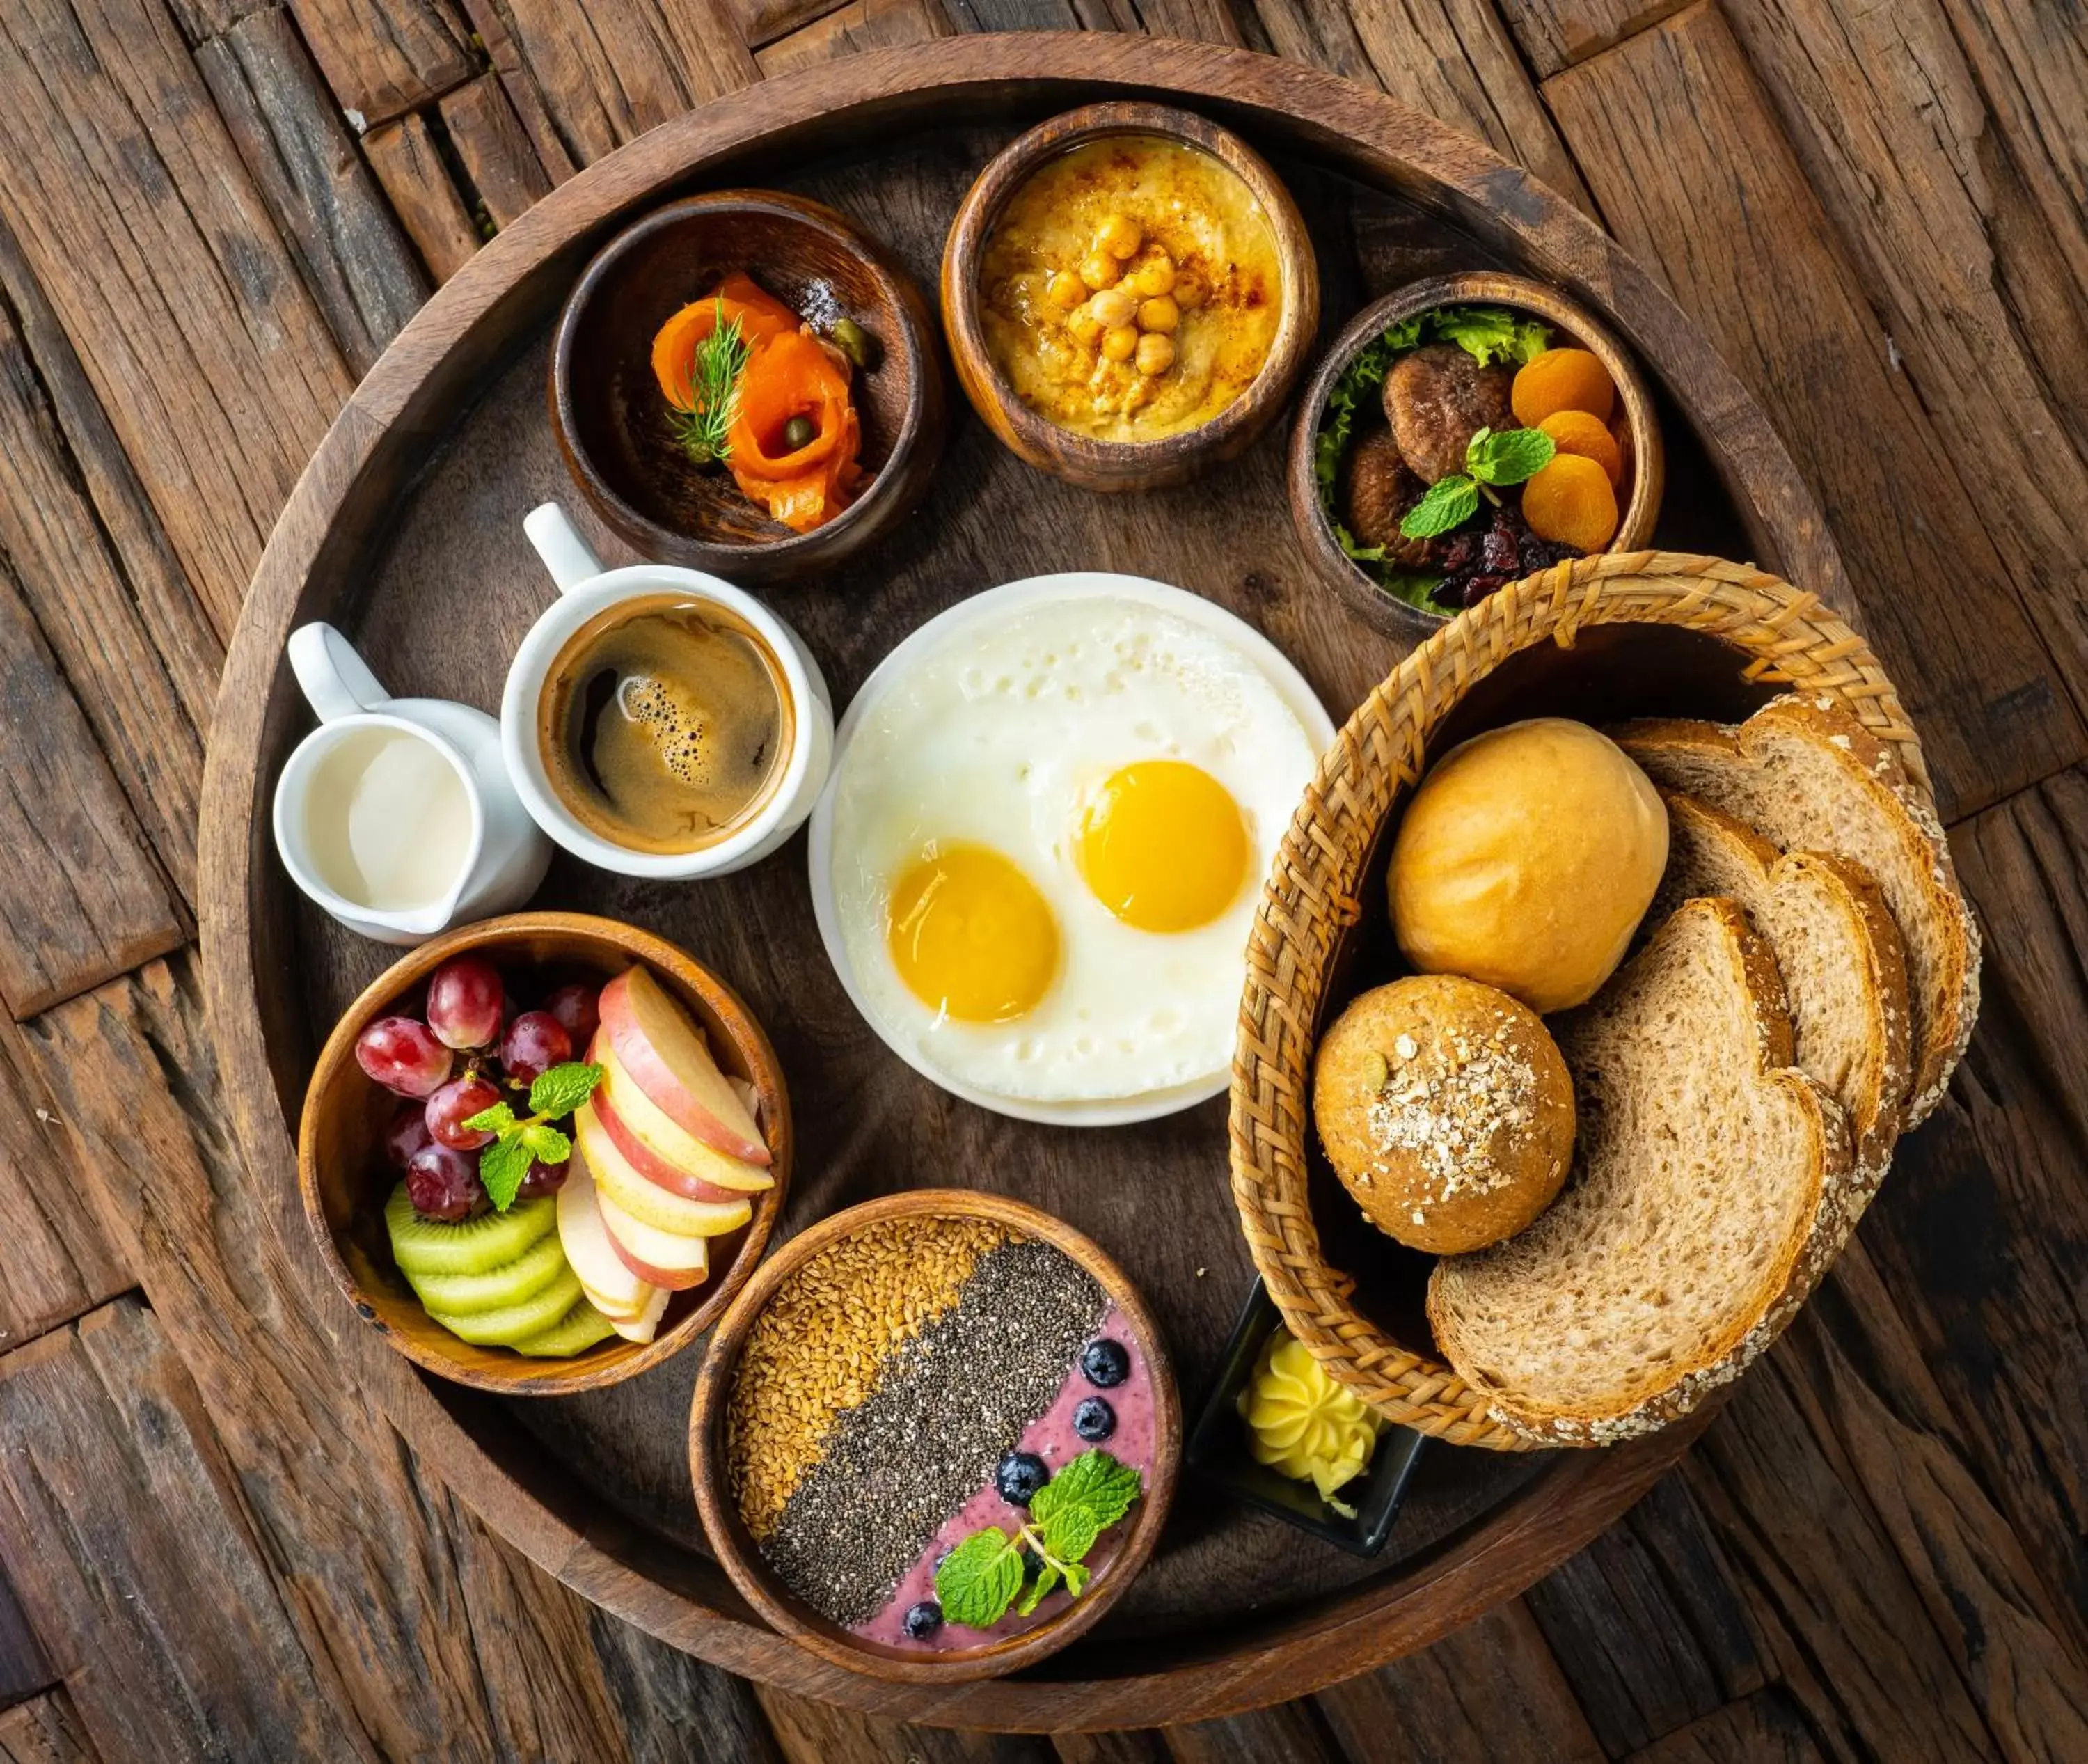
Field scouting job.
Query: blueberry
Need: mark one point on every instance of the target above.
(922, 1621)
(1020, 1476)
(1105, 1362)
(1094, 1419)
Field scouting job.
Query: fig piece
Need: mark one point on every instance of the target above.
(1437, 397)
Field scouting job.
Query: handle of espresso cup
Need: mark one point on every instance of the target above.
(336, 681)
(558, 543)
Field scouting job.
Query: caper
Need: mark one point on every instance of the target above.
(858, 344)
(799, 432)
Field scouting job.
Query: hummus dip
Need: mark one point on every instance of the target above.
(1191, 214)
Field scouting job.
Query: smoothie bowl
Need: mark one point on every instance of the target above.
(936, 1437)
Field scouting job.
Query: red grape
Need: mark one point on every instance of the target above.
(399, 1053)
(465, 1000)
(407, 1134)
(536, 1042)
(543, 1178)
(442, 1183)
(577, 1010)
(450, 1107)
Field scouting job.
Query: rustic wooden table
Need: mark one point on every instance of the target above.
(214, 213)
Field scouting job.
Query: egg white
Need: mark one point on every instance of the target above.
(1001, 736)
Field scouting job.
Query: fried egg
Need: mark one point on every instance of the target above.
(1049, 836)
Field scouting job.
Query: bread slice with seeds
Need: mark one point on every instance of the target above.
(1805, 774)
(1686, 1235)
(1839, 955)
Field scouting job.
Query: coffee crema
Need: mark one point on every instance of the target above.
(664, 724)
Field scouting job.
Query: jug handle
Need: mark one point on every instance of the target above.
(336, 681)
(558, 543)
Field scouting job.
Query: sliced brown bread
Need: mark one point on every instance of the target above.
(1839, 955)
(1805, 774)
(1686, 1234)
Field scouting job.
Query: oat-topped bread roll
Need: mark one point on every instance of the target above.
(1805, 774)
(1445, 1109)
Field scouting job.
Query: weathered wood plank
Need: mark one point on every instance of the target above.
(129, 201)
(423, 195)
(145, 1583)
(1200, 21)
(287, 129)
(1556, 34)
(1286, 1733)
(1694, 175)
(763, 22)
(1491, 1690)
(45, 1730)
(494, 149)
(23, 1670)
(861, 24)
(672, 1706)
(382, 58)
(1768, 1727)
(808, 1733)
(1013, 15)
(602, 73)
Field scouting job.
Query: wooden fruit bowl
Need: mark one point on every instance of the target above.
(343, 1178)
(735, 1548)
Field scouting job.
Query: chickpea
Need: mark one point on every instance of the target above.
(1065, 289)
(1101, 269)
(1155, 277)
(1156, 353)
(1114, 307)
(1159, 314)
(1120, 237)
(1084, 325)
(1121, 344)
(1191, 289)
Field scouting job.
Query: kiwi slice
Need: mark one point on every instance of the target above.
(575, 1332)
(475, 1246)
(513, 1323)
(468, 1295)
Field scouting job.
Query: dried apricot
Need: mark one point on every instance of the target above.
(1569, 502)
(1561, 379)
(1575, 432)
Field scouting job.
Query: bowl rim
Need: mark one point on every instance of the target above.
(1635, 521)
(887, 494)
(1084, 457)
(740, 1559)
(628, 943)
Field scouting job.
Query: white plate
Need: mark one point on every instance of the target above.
(997, 602)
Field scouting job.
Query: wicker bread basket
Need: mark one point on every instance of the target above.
(1312, 899)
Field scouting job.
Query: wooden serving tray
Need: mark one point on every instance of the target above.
(406, 531)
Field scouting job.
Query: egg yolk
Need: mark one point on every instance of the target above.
(1163, 845)
(970, 935)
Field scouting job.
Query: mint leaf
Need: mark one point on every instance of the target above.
(1047, 1578)
(502, 1166)
(563, 1088)
(1508, 457)
(1076, 1579)
(495, 1120)
(979, 1579)
(1071, 1531)
(546, 1144)
(1450, 501)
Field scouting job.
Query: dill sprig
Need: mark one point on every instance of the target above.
(702, 428)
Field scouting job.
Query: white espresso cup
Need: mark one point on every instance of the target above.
(501, 858)
(585, 591)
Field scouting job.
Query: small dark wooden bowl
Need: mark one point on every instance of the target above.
(611, 419)
(344, 1177)
(1645, 468)
(1080, 459)
(735, 1548)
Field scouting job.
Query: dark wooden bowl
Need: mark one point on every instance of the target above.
(1645, 467)
(344, 1177)
(735, 1548)
(1114, 465)
(611, 419)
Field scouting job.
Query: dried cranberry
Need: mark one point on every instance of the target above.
(1499, 546)
(1480, 586)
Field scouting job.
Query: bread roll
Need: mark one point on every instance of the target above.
(1445, 1109)
(1526, 860)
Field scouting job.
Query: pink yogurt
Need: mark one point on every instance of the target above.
(1052, 1438)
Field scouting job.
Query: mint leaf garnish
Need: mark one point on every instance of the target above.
(491, 1120)
(502, 1166)
(518, 1144)
(978, 1579)
(547, 1145)
(563, 1088)
(1046, 1579)
(981, 1577)
(1510, 456)
(1450, 501)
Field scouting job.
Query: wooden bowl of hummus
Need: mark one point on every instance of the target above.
(1129, 293)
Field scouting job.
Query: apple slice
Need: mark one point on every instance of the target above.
(610, 1286)
(641, 1122)
(660, 1258)
(665, 1052)
(648, 1202)
(710, 1176)
(646, 1324)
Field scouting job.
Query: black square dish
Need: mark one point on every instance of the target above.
(1218, 1453)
